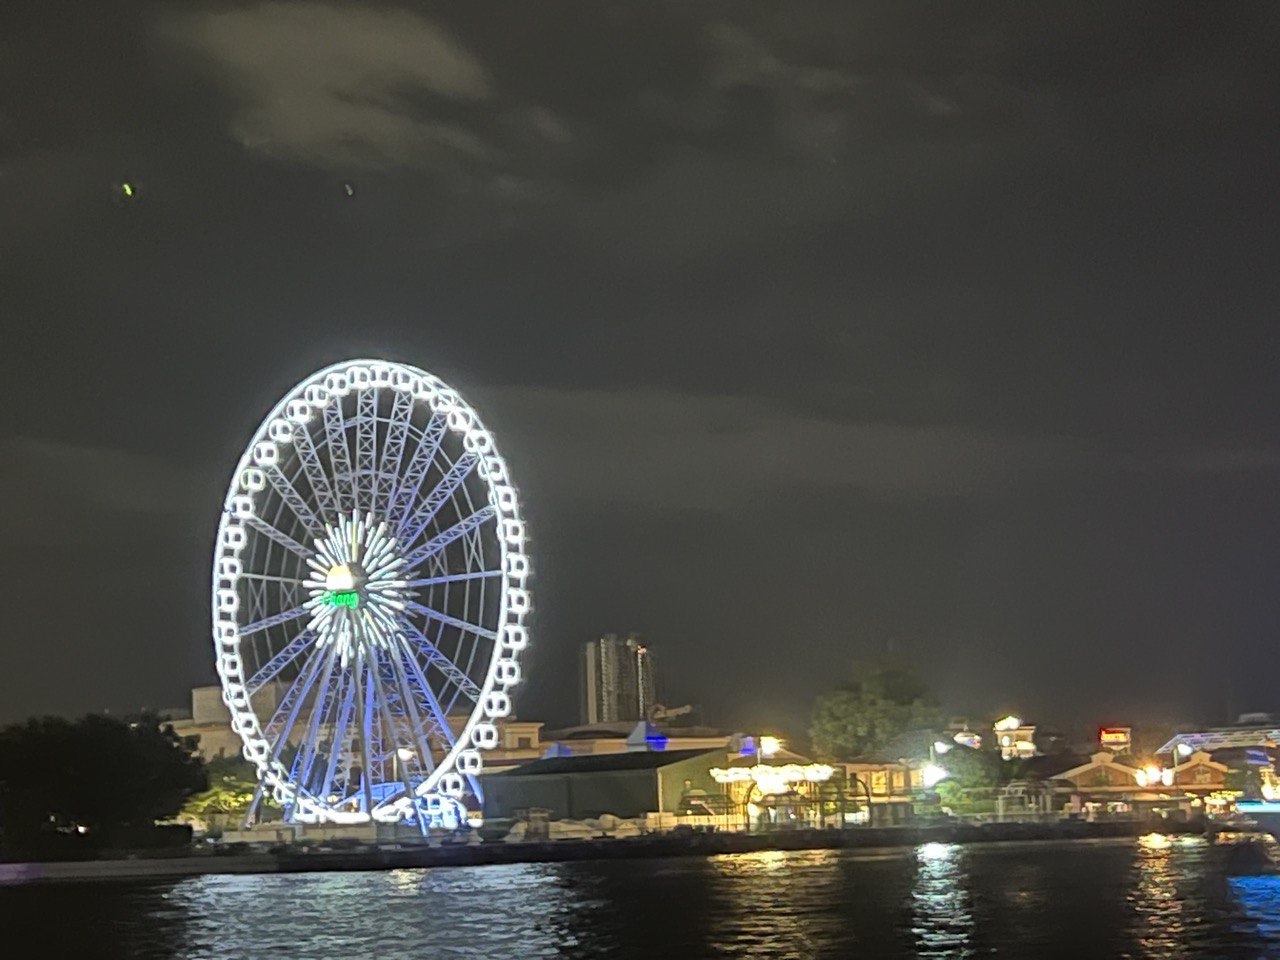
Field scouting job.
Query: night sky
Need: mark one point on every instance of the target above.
(810, 331)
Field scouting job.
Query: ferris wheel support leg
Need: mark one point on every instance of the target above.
(251, 814)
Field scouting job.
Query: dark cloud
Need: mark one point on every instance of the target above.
(806, 329)
(619, 448)
(338, 86)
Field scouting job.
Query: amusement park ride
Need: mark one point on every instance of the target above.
(369, 598)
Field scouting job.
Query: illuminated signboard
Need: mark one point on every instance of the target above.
(340, 598)
(1115, 738)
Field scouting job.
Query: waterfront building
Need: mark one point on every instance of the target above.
(628, 785)
(760, 786)
(617, 680)
(1016, 740)
(889, 787)
(1250, 730)
(1105, 783)
(624, 736)
(1116, 739)
(209, 721)
(519, 741)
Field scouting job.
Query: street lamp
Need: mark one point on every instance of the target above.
(403, 755)
(857, 781)
(1183, 750)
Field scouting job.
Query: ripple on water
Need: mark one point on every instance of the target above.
(1155, 898)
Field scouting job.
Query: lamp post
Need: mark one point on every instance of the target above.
(1183, 750)
(866, 790)
(402, 756)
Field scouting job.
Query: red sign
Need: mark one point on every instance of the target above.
(1115, 736)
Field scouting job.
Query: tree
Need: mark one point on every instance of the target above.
(232, 782)
(884, 701)
(95, 773)
(1247, 780)
(968, 771)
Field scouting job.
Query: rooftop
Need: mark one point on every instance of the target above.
(622, 728)
(602, 763)
(1216, 738)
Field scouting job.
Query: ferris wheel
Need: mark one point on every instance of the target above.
(369, 597)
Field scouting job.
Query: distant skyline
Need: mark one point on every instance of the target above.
(807, 329)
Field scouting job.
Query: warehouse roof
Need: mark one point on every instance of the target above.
(602, 762)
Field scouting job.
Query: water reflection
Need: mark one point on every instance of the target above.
(367, 914)
(1260, 898)
(1155, 898)
(776, 904)
(942, 918)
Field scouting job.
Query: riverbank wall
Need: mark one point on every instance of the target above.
(303, 857)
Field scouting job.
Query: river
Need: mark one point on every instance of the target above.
(1156, 897)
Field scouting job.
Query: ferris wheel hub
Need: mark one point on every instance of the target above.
(343, 577)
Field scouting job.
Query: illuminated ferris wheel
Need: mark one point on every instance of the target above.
(369, 597)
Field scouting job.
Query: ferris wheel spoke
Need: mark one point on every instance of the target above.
(417, 721)
(283, 617)
(440, 493)
(395, 729)
(366, 448)
(420, 687)
(392, 451)
(453, 578)
(416, 472)
(364, 686)
(447, 536)
(282, 721)
(316, 475)
(272, 667)
(295, 501)
(338, 739)
(435, 658)
(278, 536)
(308, 749)
(272, 578)
(335, 432)
(441, 617)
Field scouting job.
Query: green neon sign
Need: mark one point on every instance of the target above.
(341, 598)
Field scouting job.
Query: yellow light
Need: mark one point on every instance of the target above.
(1155, 841)
(340, 578)
(769, 746)
(1009, 723)
(771, 779)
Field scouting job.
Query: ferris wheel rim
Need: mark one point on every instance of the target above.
(509, 634)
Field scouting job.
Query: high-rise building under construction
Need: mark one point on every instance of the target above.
(617, 679)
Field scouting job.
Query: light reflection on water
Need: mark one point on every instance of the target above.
(1155, 898)
(371, 914)
(774, 904)
(941, 919)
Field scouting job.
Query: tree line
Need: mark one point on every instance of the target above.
(887, 711)
(92, 777)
